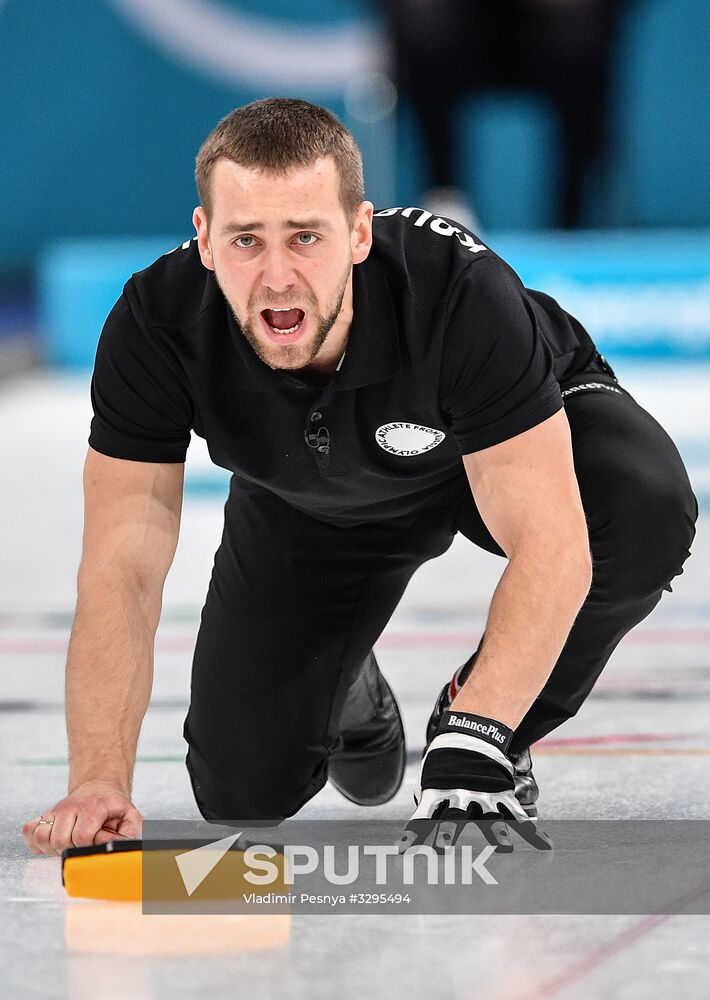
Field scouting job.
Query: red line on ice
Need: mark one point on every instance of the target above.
(575, 741)
(551, 987)
(392, 640)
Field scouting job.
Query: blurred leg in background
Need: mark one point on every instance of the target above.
(446, 51)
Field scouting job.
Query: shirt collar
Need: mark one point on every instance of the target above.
(372, 349)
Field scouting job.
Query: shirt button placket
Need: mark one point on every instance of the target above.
(318, 440)
(316, 434)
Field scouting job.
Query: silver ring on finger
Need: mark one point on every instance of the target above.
(48, 821)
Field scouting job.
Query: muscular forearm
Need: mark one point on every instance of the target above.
(532, 612)
(109, 679)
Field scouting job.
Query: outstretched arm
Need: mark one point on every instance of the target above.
(527, 494)
(131, 523)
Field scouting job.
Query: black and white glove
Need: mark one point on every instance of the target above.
(466, 777)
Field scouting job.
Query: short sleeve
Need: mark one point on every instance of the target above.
(497, 370)
(142, 407)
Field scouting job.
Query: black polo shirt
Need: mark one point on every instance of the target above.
(448, 353)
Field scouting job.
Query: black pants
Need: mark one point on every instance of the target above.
(294, 606)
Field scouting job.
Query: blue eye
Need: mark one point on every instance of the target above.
(244, 245)
(307, 239)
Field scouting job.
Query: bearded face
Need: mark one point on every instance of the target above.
(282, 249)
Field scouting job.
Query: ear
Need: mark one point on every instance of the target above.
(199, 221)
(361, 236)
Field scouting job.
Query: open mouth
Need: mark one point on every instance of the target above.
(283, 321)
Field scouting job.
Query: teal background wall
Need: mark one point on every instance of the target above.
(103, 110)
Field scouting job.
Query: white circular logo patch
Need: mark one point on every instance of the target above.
(400, 438)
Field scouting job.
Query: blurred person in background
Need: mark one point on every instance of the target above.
(446, 51)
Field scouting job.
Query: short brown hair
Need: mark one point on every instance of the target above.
(277, 133)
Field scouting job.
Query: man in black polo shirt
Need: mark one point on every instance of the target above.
(375, 383)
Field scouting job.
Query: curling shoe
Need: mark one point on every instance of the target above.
(369, 767)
